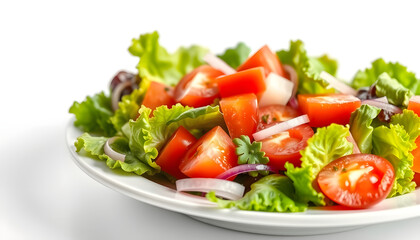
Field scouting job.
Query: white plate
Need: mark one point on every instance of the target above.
(313, 221)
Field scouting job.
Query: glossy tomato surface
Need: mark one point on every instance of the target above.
(275, 113)
(240, 114)
(211, 155)
(247, 81)
(286, 146)
(357, 180)
(171, 155)
(265, 58)
(416, 155)
(198, 88)
(158, 94)
(323, 110)
(414, 104)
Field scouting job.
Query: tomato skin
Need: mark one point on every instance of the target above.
(416, 179)
(265, 58)
(286, 146)
(247, 81)
(158, 94)
(240, 114)
(171, 155)
(198, 88)
(357, 180)
(325, 109)
(275, 113)
(211, 155)
(414, 105)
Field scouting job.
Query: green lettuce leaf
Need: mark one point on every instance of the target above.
(394, 91)
(272, 193)
(94, 147)
(327, 144)
(308, 68)
(130, 105)
(157, 64)
(360, 126)
(410, 121)
(234, 57)
(93, 114)
(365, 78)
(395, 145)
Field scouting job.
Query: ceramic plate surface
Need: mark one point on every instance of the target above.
(158, 193)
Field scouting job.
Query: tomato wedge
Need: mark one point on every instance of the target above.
(416, 155)
(265, 58)
(211, 155)
(416, 179)
(286, 146)
(158, 94)
(247, 81)
(357, 180)
(414, 104)
(198, 88)
(171, 155)
(275, 113)
(323, 110)
(240, 114)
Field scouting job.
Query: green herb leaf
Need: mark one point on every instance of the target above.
(250, 153)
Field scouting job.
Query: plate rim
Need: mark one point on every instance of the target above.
(344, 218)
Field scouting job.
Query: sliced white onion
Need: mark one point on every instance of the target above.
(111, 153)
(385, 106)
(218, 63)
(337, 84)
(293, 78)
(415, 99)
(351, 140)
(280, 127)
(116, 93)
(278, 90)
(222, 188)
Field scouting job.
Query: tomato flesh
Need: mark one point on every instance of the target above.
(198, 88)
(247, 81)
(158, 94)
(211, 155)
(323, 110)
(416, 179)
(357, 180)
(240, 114)
(275, 113)
(414, 105)
(286, 146)
(265, 58)
(171, 155)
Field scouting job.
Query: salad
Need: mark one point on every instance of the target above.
(267, 130)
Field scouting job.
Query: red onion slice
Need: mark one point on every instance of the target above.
(280, 127)
(355, 146)
(111, 153)
(116, 94)
(382, 105)
(244, 168)
(293, 78)
(338, 85)
(381, 99)
(222, 188)
(218, 63)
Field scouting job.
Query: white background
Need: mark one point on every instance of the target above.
(55, 52)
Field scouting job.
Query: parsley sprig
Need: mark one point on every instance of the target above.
(250, 153)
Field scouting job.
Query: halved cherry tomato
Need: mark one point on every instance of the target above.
(171, 155)
(286, 146)
(275, 113)
(247, 81)
(323, 110)
(158, 94)
(264, 58)
(211, 155)
(198, 88)
(357, 180)
(241, 114)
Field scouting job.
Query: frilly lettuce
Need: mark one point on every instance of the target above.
(360, 126)
(234, 57)
(157, 64)
(365, 78)
(93, 114)
(272, 193)
(308, 68)
(327, 144)
(395, 92)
